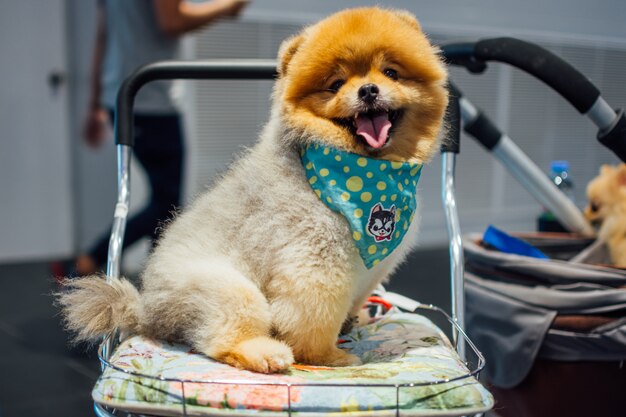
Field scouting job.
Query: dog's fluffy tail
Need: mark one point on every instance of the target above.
(92, 308)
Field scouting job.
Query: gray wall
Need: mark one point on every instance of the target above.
(94, 181)
(604, 18)
(35, 167)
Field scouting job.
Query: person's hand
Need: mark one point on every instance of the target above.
(233, 8)
(96, 126)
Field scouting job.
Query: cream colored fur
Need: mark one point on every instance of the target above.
(256, 273)
(607, 208)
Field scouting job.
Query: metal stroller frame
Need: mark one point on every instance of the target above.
(587, 100)
(266, 70)
(566, 81)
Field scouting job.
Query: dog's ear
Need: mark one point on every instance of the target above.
(287, 50)
(378, 207)
(408, 18)
(393, 209)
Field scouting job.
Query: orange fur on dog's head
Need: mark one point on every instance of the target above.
(607, 194)
(366, 81)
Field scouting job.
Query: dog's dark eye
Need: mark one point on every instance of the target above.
(391, 73)
(594, 207)
(335, 86)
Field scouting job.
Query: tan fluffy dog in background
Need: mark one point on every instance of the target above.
(258, 271)
(607, 207)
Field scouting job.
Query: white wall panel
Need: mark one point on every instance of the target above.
(35, 166)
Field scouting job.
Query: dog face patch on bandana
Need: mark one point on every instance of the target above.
(376, 196)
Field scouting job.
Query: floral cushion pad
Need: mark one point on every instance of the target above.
(399, 348)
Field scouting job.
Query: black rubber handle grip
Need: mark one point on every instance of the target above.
(170, 70)
(544, 65)
(462, 54)
(484, 131)
(452, 140)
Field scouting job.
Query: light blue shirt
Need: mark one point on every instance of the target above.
(133, 39)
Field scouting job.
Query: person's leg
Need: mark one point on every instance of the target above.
(159, 149)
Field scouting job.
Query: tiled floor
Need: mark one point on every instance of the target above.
(40, 377)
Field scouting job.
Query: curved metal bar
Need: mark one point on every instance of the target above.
(116, 241)
(455, 247)
(532, 59)
(257, 69)
(450, 148)
(478, 353)
(555, 72)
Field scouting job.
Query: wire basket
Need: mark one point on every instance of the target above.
(473, 364)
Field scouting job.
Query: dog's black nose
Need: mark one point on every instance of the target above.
(368, 93)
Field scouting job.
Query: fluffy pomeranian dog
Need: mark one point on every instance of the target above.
(607, 209)
(258, 272)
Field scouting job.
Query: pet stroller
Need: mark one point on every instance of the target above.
(410, 367)
(553, 331)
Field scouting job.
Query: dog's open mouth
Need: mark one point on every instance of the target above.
(373, 127)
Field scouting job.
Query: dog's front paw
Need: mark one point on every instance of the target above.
(260, 354)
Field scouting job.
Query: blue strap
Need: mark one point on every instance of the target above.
(509, 244)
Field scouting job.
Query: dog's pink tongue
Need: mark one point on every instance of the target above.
(375, 130)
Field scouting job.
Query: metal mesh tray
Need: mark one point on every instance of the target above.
(474, 363)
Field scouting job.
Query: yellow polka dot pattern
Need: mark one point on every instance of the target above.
(357, 187)
(354, 184)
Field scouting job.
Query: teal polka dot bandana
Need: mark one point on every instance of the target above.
(376, 196)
